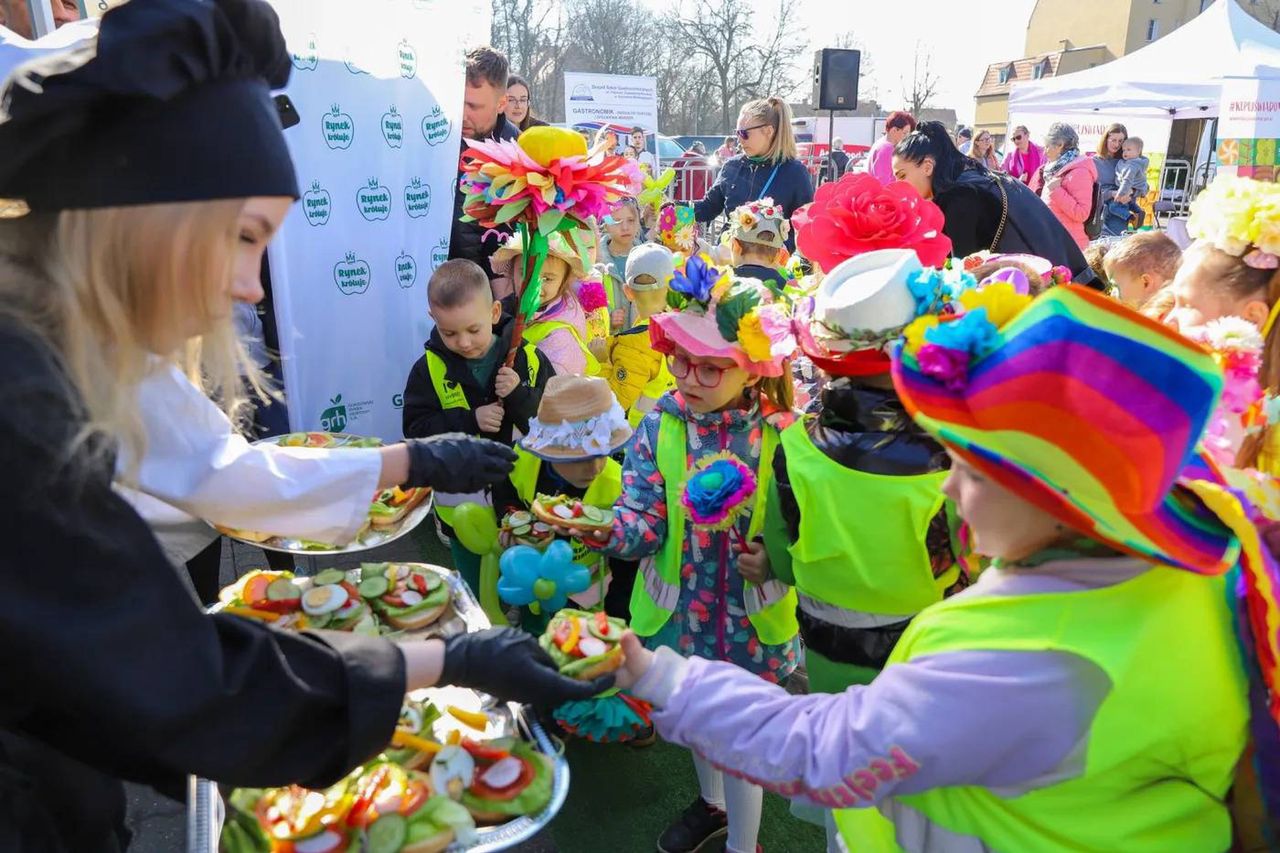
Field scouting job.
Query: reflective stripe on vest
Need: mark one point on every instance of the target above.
(603, 493)
(878, 563)
(534, 333)
(771, 607)
(1161, 750)
(451, 395)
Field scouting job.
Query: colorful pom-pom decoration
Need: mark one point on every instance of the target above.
(719, 491)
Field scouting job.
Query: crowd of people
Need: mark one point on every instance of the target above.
(1007, 498)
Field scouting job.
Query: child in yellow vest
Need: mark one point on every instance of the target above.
(694, 595)
(460, 383)
(1090, 683)
(637, 372)
(559, 328)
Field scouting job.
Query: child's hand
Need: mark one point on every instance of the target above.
(618, 318)
(753, 563)
(638, 661)
(505, 382)
(599, 348)
(489, 418)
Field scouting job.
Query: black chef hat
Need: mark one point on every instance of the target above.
(173, 103)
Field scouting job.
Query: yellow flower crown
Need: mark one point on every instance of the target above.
(1239, 216)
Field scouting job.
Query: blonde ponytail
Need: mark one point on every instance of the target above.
(776, 113)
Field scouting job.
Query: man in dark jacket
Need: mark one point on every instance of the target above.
(482, 118)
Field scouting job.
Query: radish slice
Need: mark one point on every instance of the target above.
(562, 511)
(591, 646)
(402, 572)
(324, 599)
(411, 597)
(388, 803)
(503, 773)
(452, 762)
(410, 720)
(347, 610)
(320, 843)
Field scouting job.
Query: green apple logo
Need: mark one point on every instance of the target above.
(393, 127)
(352, 275)
(334, 418)
(408, 60)
(339, 129)
(436, 126)
(439, 253)
(374, 201)
(417, 198)
(316, 204)
(406, 270)
(308, 58)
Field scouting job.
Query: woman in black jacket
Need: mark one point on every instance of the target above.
(984, 210)
(109, 668)
(768, 166)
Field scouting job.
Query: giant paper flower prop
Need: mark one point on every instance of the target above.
(542, 183)
(541, 580)
(718, 492)
(858, 214)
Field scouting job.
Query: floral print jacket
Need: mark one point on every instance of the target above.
(710, 620)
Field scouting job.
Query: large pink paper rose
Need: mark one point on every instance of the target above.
(858, 214)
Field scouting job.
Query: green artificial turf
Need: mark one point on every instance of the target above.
(621, 798)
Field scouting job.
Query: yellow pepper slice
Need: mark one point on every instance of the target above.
(477, 720)
(454, 737)
(571, 641)
(414, 742)
(252, 613)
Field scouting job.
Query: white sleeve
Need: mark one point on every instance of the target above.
(196, 462)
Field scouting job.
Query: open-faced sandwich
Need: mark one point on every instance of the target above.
(414, 745)
(390, 506)
(327, 601)
(406, 597)
(308, 439)
(571, 513)
(527, 530)
(499, 780)
(584, 645)
(379, 808)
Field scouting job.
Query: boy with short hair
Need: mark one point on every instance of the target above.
(461, 383)
(1141, 265)
(758, 234)
(1131, 178)
(638, 374)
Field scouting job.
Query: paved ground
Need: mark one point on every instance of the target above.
(620, 798)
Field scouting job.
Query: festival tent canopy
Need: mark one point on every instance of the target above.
(1178, 76)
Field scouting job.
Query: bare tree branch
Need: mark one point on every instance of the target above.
(924, 82)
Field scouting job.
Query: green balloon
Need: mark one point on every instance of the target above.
(543, 588)
(476, 528)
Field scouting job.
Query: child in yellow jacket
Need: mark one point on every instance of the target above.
(638, 374)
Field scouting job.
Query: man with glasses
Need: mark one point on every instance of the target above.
(1025, 157)
(896, 128)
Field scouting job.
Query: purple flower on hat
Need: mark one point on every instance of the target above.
(696, 280)
(1010, 275)
(948, 366)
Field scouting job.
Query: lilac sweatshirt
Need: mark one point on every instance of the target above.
(1012, 720)
(880, 160)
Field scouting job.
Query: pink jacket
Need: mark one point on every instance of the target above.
(880, 161)
(1072, 198)
(561, 347)
(1023, 166)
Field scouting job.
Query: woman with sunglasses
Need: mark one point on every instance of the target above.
(145, 164)
(768, 165)
(1025, 158)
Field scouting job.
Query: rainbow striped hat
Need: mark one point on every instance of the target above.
(1081, 406)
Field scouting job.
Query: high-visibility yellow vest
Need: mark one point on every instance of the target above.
(771, 607)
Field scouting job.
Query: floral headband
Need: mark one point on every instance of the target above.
(1239, 216)
(966, 328)
(677, 228)
(752, 221)
(747, 313)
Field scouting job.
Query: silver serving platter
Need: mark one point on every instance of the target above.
(371, 539)
(205, 808)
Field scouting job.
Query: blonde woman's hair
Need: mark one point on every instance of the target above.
(106, 287)
(775, 113)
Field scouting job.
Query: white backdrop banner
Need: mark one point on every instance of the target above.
(378, 86)
(617, 100)
(1153, 131)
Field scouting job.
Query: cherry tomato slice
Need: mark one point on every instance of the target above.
(255, 589)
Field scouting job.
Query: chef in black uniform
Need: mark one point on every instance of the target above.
(109, 669)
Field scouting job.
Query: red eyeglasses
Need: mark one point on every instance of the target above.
(706, 375)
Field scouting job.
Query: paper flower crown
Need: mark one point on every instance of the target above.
(947, 341)
(762, 221)
(1236, 346)
(1239, 216)
(747, 313)
(677, 228)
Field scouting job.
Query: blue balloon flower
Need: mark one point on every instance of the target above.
(697, 279)
(542, 580)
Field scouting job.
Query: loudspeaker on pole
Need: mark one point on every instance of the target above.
(835, 78)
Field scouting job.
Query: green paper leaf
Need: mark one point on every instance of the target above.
(549, 222)
(508, 212)
(728, 314)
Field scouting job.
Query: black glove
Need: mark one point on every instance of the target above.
(511, 666)
(456, 462)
